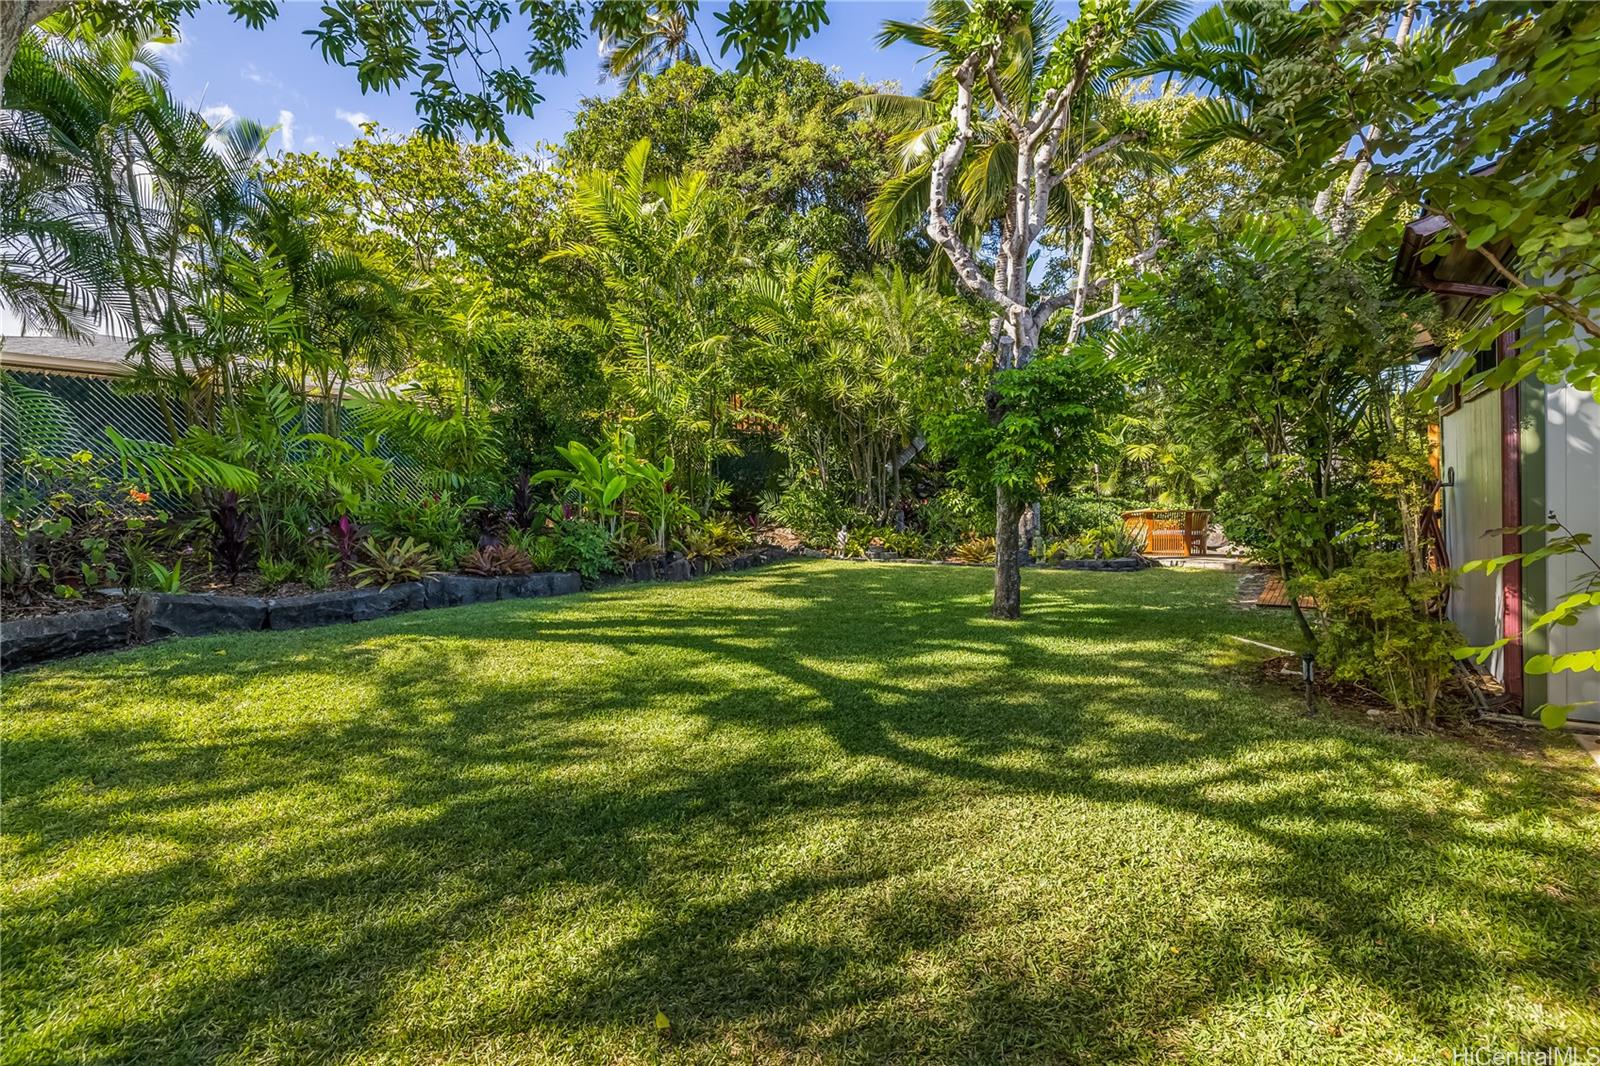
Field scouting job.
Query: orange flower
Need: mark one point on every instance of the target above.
(138, 497)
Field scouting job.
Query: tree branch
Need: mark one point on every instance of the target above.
(1002, 102)
(1085, 260)
(940, 231)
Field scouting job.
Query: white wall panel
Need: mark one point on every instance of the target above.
(1572, 491)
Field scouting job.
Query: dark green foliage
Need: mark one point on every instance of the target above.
(1381, 624)
(548, 388)
(813, 512)
(1040, 426)
(953, 514)
(1283, 363)
(573, 544)
(781, 139)
(67, 529)
(1065, 516)
(440, 522)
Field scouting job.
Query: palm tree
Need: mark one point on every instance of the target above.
(660, 39)
(350, 312)
(663, 252)
(101, 147)
(62, 253)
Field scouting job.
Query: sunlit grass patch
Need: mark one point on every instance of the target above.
(821, 812)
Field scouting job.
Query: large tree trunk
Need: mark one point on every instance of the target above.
(1007, 557)
(16, 18)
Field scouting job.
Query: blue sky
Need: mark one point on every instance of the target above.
(277, 77)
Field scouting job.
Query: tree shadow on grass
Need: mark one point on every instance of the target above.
(820, 811)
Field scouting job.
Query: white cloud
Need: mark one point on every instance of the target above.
(286, 129)
(217, 114)
(253, 73)
(357, 119)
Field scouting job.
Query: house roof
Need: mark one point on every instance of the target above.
(1460, 276)
(104, 357)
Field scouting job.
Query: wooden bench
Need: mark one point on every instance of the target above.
(1169, 531)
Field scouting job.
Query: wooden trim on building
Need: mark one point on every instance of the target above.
(1511, 515)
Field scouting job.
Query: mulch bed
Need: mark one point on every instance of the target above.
(248, 585)
(1458, 712)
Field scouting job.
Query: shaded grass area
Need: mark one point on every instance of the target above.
(820, 812)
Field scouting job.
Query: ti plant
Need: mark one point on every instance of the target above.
(1584, 594)
(346, 537)
(230, 534)
(524, 515)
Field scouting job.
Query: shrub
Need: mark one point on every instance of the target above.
(570, 544)
(1066, 516)
(632, 546)
(315, 570)
(1239, 524)
(812, 512)
(954, 515)
(275, 572)
(65, 527)
(717, 538)
(908, 545)
(1381, 625)
(1114, 540)
(1067, 549)
(439, 522)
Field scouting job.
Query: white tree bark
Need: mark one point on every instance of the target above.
(1080, 297)
(1341, 216)
(17, 17)
(1016, 323)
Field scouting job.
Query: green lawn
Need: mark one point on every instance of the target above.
(819, 812)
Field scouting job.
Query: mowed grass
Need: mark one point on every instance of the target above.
(820, 812)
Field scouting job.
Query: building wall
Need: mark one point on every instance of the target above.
(1470, 447)
(1571, 462)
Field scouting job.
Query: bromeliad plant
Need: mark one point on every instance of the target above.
(497, 560)
(394, 562)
